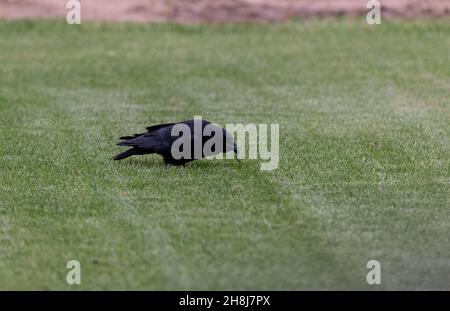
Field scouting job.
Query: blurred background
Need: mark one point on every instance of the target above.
(186, 11)
(364, 168)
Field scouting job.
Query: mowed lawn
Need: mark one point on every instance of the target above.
(364, 173)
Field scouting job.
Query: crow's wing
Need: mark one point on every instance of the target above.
(148, 141)
(161, 140)
(149, 129)
(158, 140)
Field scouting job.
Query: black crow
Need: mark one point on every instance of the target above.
(194, 133)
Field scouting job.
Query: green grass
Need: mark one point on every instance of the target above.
(364, 114)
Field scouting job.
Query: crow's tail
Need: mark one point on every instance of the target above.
(126, 154)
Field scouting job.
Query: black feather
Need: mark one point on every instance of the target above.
(159, 140)
(125, 154)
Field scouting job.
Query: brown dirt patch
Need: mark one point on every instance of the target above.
(187, 11)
